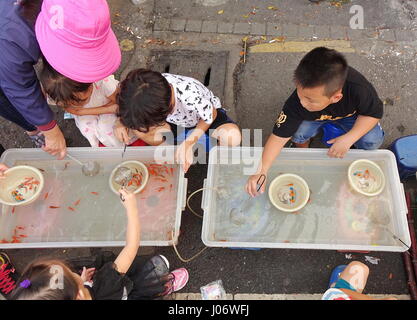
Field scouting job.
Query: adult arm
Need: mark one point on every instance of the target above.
(21, 86)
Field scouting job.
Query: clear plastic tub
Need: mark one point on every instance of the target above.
(79, 211)
(335, 218)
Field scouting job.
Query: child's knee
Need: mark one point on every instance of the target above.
(372, 140)
(228, 135)
(305, 131)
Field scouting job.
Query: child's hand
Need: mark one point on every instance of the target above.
(121, 132)
(129, 197)
(340, 147)
(252, 185)
(87, 274)
(78, 111)
(184, 155)
(3, 168)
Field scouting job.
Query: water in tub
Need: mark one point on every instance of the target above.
(75, 208)
(335, 214)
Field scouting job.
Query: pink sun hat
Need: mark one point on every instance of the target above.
(76, 38)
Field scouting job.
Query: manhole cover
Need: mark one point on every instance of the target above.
(207, 67)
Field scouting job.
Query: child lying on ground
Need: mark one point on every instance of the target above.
(128, 277)
(93, 105)
(151, 104)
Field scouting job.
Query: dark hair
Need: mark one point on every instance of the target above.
(30, 10)
(322, 66)
(58, 87)
(144, 100)
(40, 274)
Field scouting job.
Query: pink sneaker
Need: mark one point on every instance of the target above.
(180, 279)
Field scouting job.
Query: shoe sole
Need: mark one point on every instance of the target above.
(184, 281)
(165, 260)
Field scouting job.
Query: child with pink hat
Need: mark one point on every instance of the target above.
(76, 38)
(80, 54)
(92, 104)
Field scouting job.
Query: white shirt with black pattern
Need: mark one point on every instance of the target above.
(193, 101)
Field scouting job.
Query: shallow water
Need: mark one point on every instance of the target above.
(334, 215)
(99, 215)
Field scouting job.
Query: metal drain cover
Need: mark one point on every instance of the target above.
(207, 67)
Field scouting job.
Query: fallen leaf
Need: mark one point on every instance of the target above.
(272, 8)
(372, 260)
(390, 276)
(245, 16)
(127, 45)
(220, 12)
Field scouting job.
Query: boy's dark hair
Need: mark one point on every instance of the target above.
(60, 88)
(42, 285)
(322, 66)
(144, 100)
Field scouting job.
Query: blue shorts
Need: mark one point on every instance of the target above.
(343, 284)
(370, 141)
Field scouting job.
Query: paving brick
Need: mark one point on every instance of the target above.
(290, 30)
(306, 31)
(273, 29)
(177, 25)
(193, 26)
(225, 27)
(387, 35)
(241, 28)
(371, 33)
(338, 32)
(257, 28)
(322, 32)
(405, 35)
(161, 24)
(209, 26)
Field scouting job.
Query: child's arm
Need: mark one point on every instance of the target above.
(109, 108)
(272, 149)
(185, 150)
(342, 144)
(128, 254)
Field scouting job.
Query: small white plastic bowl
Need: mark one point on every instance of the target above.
(378, 181)
(13, 178)
(302, 192)
(133, 165)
